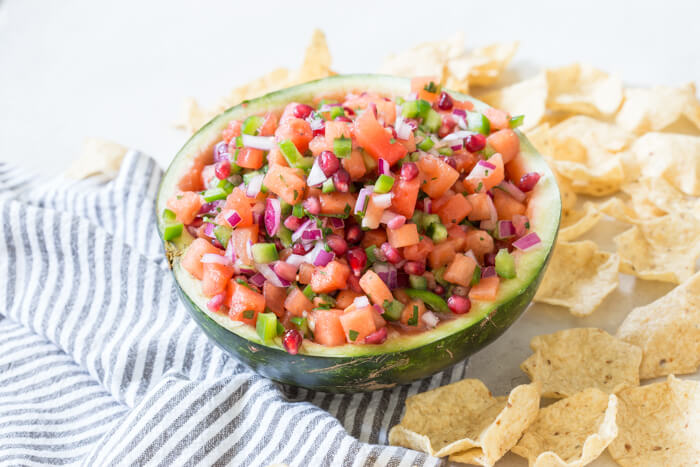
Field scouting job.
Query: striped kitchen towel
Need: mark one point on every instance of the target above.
(100, 364)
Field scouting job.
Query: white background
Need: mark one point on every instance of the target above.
(120, 70)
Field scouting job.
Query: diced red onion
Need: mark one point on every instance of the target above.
(323, 257)
(378, 309)
(361, 301)
(383, 167)
(460, 113)
(273, 214)
(452, 137)
(383, 200)
(486, 164)
(430, 319)
(208, 208)
(527, 242)
(258, 280)
(254, 186)
(337, 223)
(232, 217)
(427, 205)
(257, 218)
(316, 176)
(295, 260)
(512, 190)
(392, 220)
(506, 229)
(303, 228)
(244, 269)
(311, 234)
(209, 229)
(216, 258)
(488, 271)
(271, 276)
(401, 279)
(403, 130)
(285, 270)
(230, 252)
(456, 147)
(315, 123)
(520, 224)
(361, 203)
(216, 301)
(259, 142)
(249, 249)
(471, 254)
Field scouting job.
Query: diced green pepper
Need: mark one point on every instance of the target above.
(342, 147)
(439, 276)
(328, 186)
(280, 328)
(392, 310)
(285, 236)
(308, 292)
(505, 264)
(488, 151)
(327, 300)
(302, 325)
(214, 193)
(298, 211)
(476, 276)
(336, 111)
(285, 207)
(372, 256)
(410, 109)
(251, 125)
(172, 231)
(426, 144)
(226, 186)
(417, 217)
(445, 151)
(516, 121)
(432, 121)
(223, 234)
(293, 156)
(437, 232)
(413, 320)
(168, 215)
(433, 301)
(352, 334)
(266, 326)
(384, 184)
(264, 253)
(428, 219)
(478, 122)
(418, 282)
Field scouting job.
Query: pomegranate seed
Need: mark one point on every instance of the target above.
(377, 337)
(285, 270)
(278, 244)
(341, 180)
(302, 110)
(292, 341)
(445, 101)
(293, 223)
(312, 205)
(320, 131)
(222, 169)
(414, 268)
(349, 111)
(299, 249)
(329, 163)
(391, 253)
(337, 244)
(451, 162)
(490, 259)
(438, 289)
(358, 260)
(459, 305)
(475, 142)
(409, 171)
(354, 234)
(342, 118)
(528, 181)
(354, 284)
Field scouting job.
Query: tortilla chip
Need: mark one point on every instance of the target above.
(641, 200)
(620, 210)
(579, 277)
(98, 157)
(524, 98)
(426, 59)
(587, 152)
(674, 157)
(582, 89)
(575, 222)
(481, 66)
(659, 197)
(658, 424)
(663, 249)
(668, 331)
(610, 364)
(317, 59)
(571, 432)
(464, 418)
(659, 108)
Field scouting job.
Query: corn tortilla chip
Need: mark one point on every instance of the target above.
(674, 157)
(658, 424)
(464, 417)
(668, 331)
(98, 157)
(582, 89)
(658, 108)
(524, 98)
(571, 432)
(579, 277)
(559, 359)
(663, 249)
(620, 210)
(577, 222)
(662, 195)
(426, 59)
(481, 66)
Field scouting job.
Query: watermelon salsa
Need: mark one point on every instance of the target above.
(358, 219)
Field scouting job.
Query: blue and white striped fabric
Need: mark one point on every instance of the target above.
(101, 365)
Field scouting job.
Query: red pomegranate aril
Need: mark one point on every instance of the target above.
(391, 253)
(329, 163)
(451, 162)
(354, 284)
(349, 111)
(320, 131)
(490, 259)
(459, 305)
(475, 142)
(342, 118)
(414, 268)
(337, 244)
(409, 171)
(377, 337)
(302, 110)
(222, 169)
(341, 180)
(293, 223)
(528, 181)
(358, 260)
(299, 249)
(438, 289)
(445, 101)
(354, 234)
(292, 340)
(312, 205)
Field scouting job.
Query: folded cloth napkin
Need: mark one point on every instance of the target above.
(100, 364)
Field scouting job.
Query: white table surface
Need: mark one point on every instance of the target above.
(120, 70)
